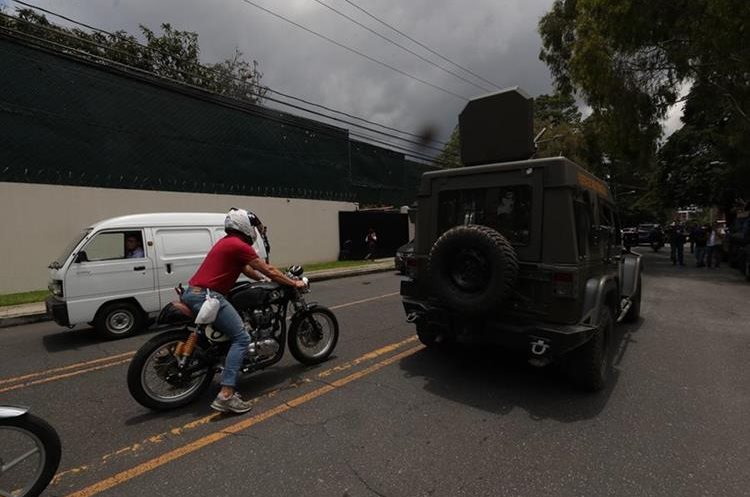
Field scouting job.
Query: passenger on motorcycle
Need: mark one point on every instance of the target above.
(218, 273)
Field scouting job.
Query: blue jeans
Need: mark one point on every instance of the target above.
(230, 323)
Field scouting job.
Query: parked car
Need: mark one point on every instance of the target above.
(96, 280)
(630, 237)
(651, 234)
(402, 254)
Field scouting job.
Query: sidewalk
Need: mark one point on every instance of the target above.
(14, 315)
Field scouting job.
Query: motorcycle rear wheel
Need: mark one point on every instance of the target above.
(313, 335)
(147, 374)
(39, 455)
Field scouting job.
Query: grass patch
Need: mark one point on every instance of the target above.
(23, 297)
(334, 265)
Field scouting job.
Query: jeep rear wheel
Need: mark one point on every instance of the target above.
(473, 268)
(589, 364)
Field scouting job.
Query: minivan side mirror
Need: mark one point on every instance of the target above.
(82, 257)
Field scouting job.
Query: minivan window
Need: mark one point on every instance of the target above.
(184, 243)
(506, 209)
(113, 245)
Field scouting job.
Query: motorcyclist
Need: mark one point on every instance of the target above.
(228, 258)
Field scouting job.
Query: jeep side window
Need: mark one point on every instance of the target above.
(606, 227)
(582, 212)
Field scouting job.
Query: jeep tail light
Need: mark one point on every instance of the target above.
(564, 284)
(411, 266)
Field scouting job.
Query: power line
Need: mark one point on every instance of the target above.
(277, 92)
(421, 44)
(401, 46)
(357, 52)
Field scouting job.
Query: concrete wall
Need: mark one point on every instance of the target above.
(38, 221)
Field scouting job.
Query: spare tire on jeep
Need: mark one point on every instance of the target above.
(473, 268)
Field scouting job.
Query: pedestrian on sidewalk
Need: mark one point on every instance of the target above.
(677, 242)
(371, 240)
(713, 246)
(699, 236)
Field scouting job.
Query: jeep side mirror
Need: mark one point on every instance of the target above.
(82, 257)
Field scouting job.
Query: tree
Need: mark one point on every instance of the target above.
(451, 154)
(628, 59)
(172, 54)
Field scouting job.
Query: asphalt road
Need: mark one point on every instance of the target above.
(386, 417)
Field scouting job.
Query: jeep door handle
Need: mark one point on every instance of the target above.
(169, 268)
(139, 268)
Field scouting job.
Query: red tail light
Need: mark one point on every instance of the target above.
(564, 284)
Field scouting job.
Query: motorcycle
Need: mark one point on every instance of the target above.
(176, 366)
(29, 452)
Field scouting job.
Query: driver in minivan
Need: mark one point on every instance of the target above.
(231, 256)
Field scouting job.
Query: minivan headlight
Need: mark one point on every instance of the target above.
(56, 288)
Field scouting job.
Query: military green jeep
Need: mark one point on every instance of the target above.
(522, 252)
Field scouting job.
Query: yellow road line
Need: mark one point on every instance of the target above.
(62, 376)
(65, 368)
(178, 431)
(173, 455)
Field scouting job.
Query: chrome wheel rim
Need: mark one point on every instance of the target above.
(154, 383)
(120, 321)
(22, 457)
(315, 340)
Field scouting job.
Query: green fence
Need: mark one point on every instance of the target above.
(74, 122)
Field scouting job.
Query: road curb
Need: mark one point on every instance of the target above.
(38, 317)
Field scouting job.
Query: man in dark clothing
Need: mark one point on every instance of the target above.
(699, 237)
(677, 242)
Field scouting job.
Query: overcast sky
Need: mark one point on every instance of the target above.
(496, 39)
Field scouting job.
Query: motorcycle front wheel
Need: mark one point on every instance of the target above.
(313, 335)
(155, 379)
(29, 455)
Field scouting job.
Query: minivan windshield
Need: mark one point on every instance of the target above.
(58, 263)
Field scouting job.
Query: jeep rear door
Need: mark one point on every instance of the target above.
(509, 202)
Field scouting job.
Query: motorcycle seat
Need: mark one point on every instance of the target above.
(175, 312)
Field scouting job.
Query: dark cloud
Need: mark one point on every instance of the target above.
(497, 40)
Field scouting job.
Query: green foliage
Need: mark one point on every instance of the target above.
(451, 154)
(23, 297)
(628, 59)
(172, 54)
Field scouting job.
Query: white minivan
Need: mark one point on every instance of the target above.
(121, 271)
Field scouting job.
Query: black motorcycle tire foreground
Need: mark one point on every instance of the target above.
(185, 359)
(44, 457)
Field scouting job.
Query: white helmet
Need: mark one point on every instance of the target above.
(239, 220)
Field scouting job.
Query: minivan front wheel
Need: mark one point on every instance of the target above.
(118, 320)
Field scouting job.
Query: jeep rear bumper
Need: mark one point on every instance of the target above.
(540, 340)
